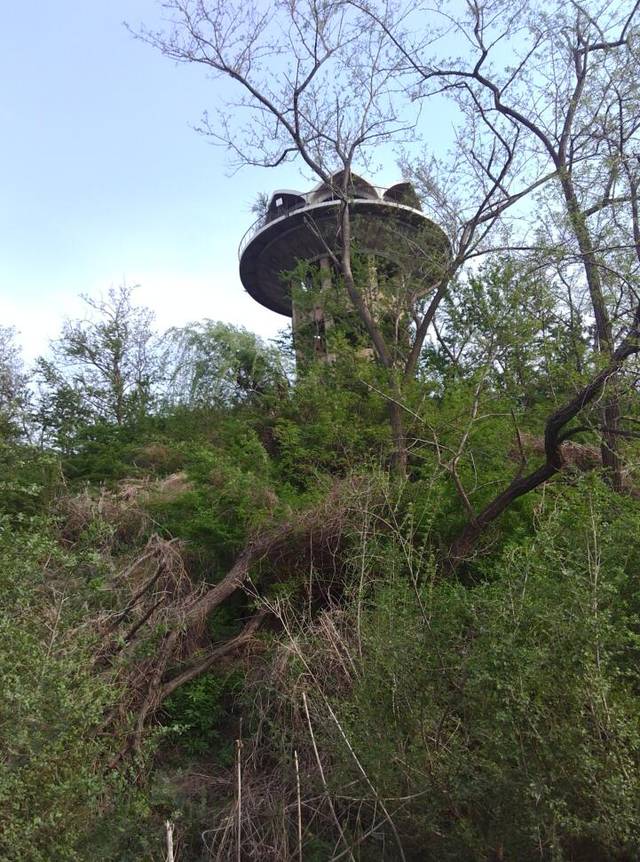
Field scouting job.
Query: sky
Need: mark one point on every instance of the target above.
(103, 179)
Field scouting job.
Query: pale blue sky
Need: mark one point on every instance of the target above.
(102, 178)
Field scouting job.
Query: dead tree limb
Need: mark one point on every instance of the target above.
(182, 654)
(225, 649)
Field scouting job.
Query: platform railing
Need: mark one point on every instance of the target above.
(263, 220)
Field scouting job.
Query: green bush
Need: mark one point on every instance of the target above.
(51, 783)
(196, 714)
(498, 720)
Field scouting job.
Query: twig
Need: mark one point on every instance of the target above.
(322, 776)
(169, 828)
(299, 805)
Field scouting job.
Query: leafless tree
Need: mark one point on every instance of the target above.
(544, 159)
(559, 82)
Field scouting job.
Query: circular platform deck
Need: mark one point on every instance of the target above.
(396, 231)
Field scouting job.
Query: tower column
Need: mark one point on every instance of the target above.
(325, 274)
(323, 320)
(310, 325)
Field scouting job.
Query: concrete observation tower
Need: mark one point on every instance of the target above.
(398, 243)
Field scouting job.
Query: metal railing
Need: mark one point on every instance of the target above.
(263, 220)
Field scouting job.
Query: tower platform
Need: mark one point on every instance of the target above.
(297, 226)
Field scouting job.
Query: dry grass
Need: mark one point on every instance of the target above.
(156, 636)
(279, 803)
(123, 519)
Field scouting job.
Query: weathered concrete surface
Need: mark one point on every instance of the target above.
(380, 227)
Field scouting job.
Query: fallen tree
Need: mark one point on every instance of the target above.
(167, 600)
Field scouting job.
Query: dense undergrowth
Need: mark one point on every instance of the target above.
(348, 697)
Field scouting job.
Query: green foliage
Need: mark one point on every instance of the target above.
(214, 364)
(339, 331)
(332, 421)
(130, 829)
(197, 712)
(15, 396)
(61, 412)
(505, 714)
(509, 320)
(495, 716)
(104, 452)
(229, 493)
(28, 479)
(104, 367)
(50, 709)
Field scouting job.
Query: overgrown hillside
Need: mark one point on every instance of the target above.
(222, 609)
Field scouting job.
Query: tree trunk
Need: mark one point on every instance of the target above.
(604, 335)
(399, 455)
